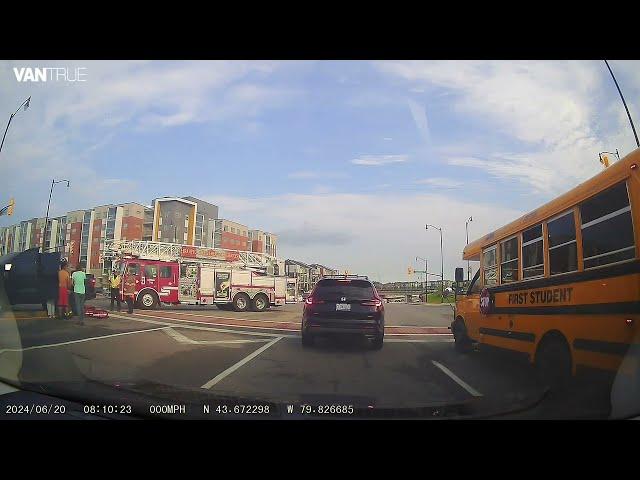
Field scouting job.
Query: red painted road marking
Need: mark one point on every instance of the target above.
(288, 326)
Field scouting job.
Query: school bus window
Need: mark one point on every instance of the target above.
(532, 253)
(605, 213)
(475, 284)
(509, 260)
(490, 266)
(563, 256)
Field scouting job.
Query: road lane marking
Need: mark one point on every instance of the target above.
(457, 379)
(180, 338)
(296, 329)
(194, 327)
(235, 367)
(220, 324)
(228, 318)
(50, 345)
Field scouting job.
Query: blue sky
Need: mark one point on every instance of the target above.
(346, 161)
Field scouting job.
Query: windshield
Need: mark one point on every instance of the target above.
(333, 239)
(335, 290)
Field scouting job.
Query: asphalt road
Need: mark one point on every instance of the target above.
(185, 351)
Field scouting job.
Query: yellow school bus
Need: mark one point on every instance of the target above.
(561, 284)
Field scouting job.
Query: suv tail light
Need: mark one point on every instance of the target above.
(374, 302)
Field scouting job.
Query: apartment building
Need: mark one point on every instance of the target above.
(301, 272)
(317, 271)
(263, 242)
(231, 235)
(185, 220)
(81, 235)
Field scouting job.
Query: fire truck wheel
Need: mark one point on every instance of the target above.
(241, 302)
(260, 303)
(148, 300)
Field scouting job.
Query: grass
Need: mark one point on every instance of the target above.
(437, 298)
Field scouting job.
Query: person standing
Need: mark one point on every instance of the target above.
(64, 285)
(114, 284)
(78, 278)
(129, 290)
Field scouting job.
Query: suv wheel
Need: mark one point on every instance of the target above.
(378, 342)
(307, 340)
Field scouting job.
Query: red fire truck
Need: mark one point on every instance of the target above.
(172, 274)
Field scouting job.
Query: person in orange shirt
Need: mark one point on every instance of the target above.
(64, 285)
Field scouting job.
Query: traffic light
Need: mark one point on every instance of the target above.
(604, 160)
(410, 271)
(12, 204)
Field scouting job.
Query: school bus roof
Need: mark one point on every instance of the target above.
(611, 175)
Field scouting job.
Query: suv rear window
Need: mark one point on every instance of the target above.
(332, 290)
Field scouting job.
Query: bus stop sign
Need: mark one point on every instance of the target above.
(485, 301)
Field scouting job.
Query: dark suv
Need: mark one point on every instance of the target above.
(343, 305)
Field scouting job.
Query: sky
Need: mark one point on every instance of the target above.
(346, 161)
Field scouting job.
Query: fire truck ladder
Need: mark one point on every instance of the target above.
(172, 251)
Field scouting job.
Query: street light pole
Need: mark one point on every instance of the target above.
(466, 227)
(441, 262)
(624, 103)
(46, 220)
(425, 277)
(26, 105)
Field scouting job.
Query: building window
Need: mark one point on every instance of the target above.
(509, 260)
(490, 266)
(602, 215)
(561, 234)
(532, 253)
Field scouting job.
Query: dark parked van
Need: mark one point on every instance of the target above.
(27, 276)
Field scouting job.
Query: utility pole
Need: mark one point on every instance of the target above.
(425, 277)
(26, 105)
(441, 262)
(635, 134)
(466, 226)
(46, 220)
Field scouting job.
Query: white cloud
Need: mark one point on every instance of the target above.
(66, 124)
(377, 160)
(440, 182)
(378, 233)
(419, 115)
(549, 111)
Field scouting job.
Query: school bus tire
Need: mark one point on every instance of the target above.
(553, 362)
(148, 300)
(462, 342)
(241, 302)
